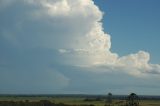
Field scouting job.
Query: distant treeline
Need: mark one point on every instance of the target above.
(35, 103)
(120, 97)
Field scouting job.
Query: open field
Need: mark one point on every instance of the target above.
(75, 100)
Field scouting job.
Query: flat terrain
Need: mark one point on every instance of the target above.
(77, 100)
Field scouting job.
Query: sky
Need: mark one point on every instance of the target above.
(137, 21)
(79, 47)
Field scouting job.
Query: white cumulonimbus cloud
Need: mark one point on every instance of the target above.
(72, 27)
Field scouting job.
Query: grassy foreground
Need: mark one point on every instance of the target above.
(77, 100)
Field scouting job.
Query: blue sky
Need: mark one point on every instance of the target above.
(69, 46)
(133, 25)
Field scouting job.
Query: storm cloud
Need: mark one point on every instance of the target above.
(44, 44)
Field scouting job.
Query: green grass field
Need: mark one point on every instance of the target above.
(76, 100)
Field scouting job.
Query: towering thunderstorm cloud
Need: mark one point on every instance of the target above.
(42, 36)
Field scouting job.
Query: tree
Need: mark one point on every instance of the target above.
(109, 100)
(132, 100)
